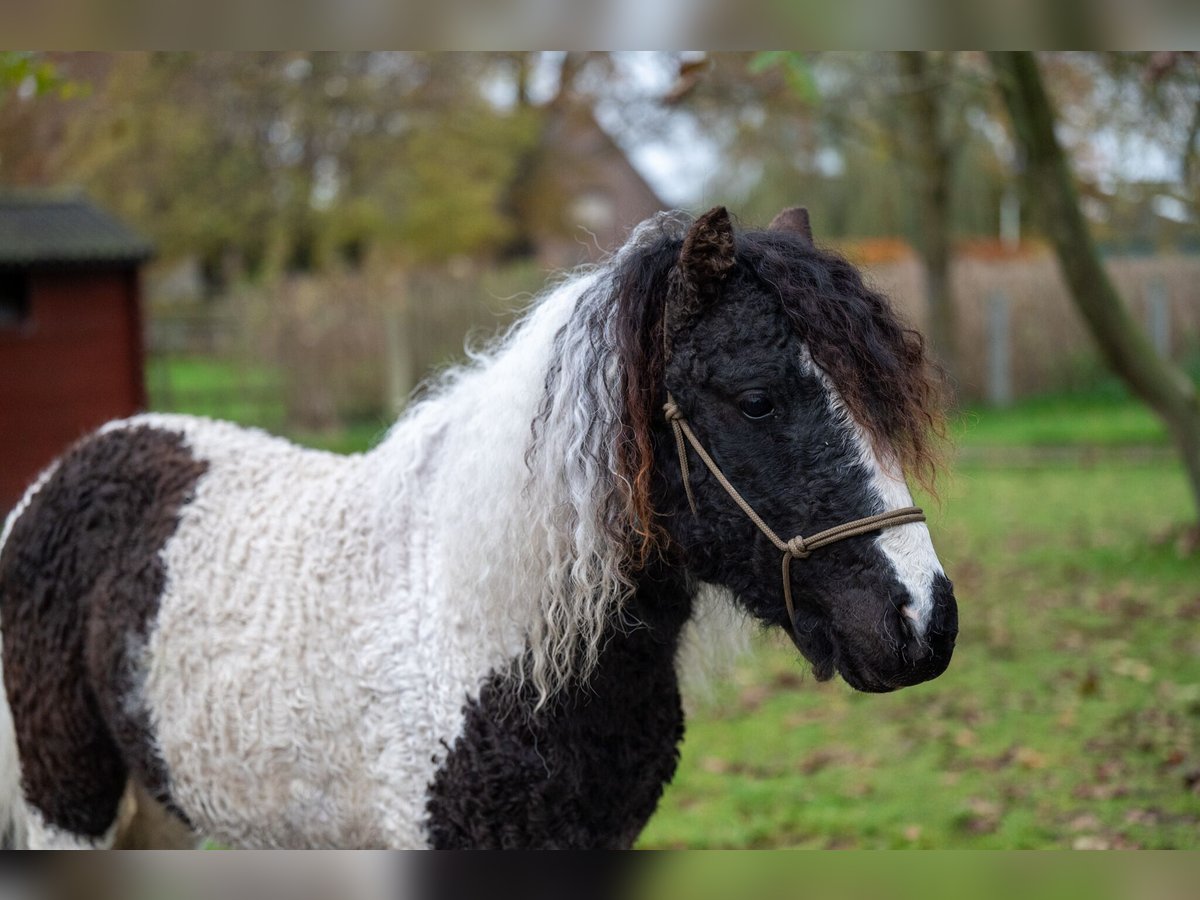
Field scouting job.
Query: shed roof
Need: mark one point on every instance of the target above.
(40, 228)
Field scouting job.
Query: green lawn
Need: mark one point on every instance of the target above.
(1069, 717)
(249, 394)
(1097, 419)
(1103, 416)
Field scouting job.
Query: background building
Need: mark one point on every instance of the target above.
(70, 328)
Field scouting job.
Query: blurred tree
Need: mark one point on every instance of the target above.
(934, 137)
(39, 93)
(1131, 123)
(170, 147)
(31, 73)
(1049, 182)
(270, 162)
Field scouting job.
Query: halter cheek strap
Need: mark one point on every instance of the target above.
(796, 548)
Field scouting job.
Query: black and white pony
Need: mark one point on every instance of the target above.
(468, 636)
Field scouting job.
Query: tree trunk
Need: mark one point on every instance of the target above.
(933, 155)
(1051, 189)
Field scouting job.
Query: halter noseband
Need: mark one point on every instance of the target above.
(798, 547)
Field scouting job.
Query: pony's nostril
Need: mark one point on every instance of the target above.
(910, 623)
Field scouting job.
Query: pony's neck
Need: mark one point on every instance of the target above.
(520, 512)
(609, 745)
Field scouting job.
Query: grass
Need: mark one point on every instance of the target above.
(1103, 416)
(1066, 420)
(248, 394)
(1069, 717)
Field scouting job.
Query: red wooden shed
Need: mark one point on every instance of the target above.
(70, 328)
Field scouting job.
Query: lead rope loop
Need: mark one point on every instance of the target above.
(796, 548)
(675, 417)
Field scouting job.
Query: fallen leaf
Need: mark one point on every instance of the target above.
(1028, 758)
(965, 738)
(1085, 822)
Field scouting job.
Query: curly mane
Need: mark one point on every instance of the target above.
(876, 362)
(591, 450)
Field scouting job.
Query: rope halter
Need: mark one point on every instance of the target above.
(798, 547)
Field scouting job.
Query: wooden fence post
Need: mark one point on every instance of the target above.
(398, 354)
(999, 341)
(1010, 218)
(1158, 316)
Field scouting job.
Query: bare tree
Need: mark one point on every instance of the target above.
(933, 155)
(1050, 184)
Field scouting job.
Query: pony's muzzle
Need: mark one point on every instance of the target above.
(926, 651)
(895, 652)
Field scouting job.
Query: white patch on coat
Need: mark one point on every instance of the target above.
(908, 548)
(12, 804)
(43, 836)
(326, 618)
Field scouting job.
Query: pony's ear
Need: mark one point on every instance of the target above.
(707, 255)
(795, 220)
(708, 250)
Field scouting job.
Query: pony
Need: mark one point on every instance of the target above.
(468, 636)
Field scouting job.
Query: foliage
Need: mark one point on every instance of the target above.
(796, 69)
(30, 71)
(831, 130)
(458, 175)
(270, 162)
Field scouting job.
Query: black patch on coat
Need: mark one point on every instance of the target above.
(584, 772)
(80, 584)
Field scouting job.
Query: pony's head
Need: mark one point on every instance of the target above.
(814, 402)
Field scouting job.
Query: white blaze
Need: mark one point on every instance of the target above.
(907, 547)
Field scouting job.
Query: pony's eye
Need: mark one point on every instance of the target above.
(755, 405)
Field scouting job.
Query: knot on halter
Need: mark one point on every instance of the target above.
(671, 410)
(798, 548)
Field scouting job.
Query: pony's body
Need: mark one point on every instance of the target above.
(311, 660)
(437, 642)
